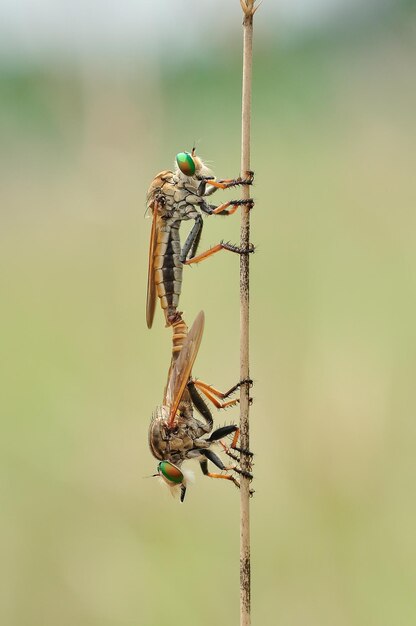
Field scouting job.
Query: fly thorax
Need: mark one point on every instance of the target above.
(187, 184)
(180, 195)
(196, 428)
(202, 170)
(169, 206)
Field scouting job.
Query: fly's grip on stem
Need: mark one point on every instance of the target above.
(238, 250)
(237, 386)
(247, 180)
(247, 202)
(245, 400)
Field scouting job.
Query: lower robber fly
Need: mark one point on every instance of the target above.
(175, 434)
(174, 197)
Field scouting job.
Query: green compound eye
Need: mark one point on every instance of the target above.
(170, 472)
(185, 163)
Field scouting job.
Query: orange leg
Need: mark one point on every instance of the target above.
(233, 468)
(235, 439)
(246, 381)
(216, 402)
(228, 452)
(226, 183)
(220, 184)
(213, 394)
(217, 461)
(217, 248)
(225, 477)
(234, 446)
(224, 206)
(235, 204)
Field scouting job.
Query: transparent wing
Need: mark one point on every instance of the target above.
(151, 286)
(181, 371)
(155, 187)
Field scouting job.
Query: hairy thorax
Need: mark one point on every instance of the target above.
(175, 198)
(173, 444)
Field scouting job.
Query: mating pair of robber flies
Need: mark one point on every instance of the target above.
(175, 434)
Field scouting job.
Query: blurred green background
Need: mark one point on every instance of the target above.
(85, 539)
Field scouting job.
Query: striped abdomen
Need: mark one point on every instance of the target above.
(168, 269)
(180, 332)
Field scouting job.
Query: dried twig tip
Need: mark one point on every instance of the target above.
(248, 9)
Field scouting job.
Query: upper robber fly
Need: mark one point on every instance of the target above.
(172, 198)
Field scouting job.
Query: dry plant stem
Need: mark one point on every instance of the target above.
(245, 567)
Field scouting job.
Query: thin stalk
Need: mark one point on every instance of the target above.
(245, 562)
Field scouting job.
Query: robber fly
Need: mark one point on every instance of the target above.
(172, 198)
(175, 434)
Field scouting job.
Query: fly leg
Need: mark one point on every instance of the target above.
(224, 431)
(200, 406)
(196, 386)
(203, 386)
(246, 381)
(224, 183)
(214, 395)
(211, 456)
(191, 244)
(222, 209)
(192, 241)
(233, 446)
(220, 246)
(204, 468)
